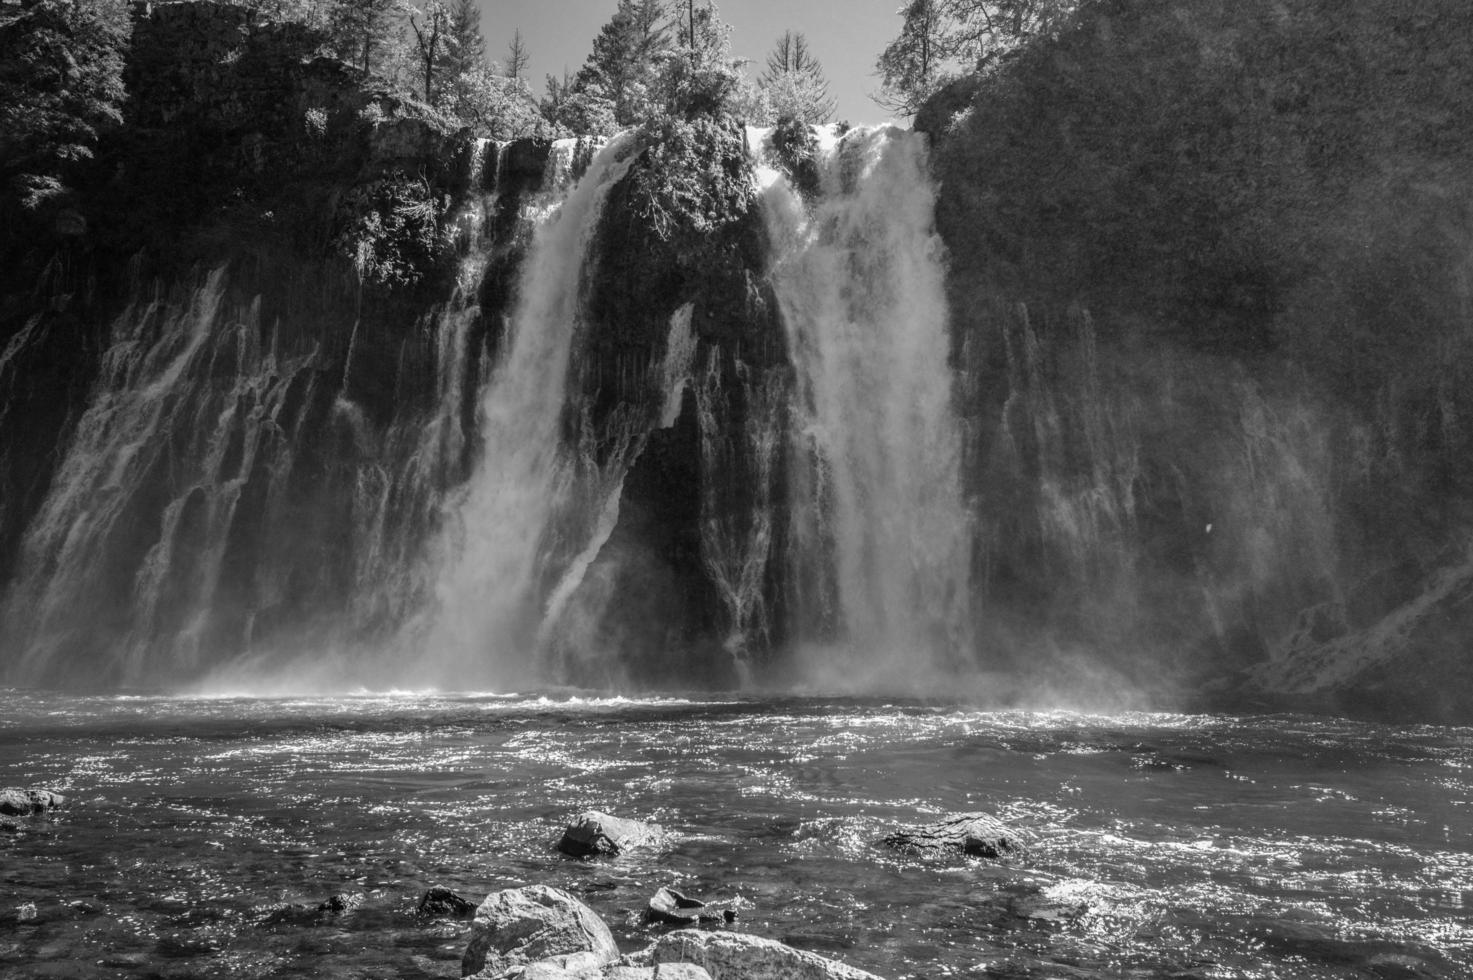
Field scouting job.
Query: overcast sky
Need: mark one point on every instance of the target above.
(845, 35)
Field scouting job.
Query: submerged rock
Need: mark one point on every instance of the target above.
(593, 833)
(444, 902)
(670, 907)
(302, 914)
(976, 834)
(547, 927)
(18, 802)
(733, 956)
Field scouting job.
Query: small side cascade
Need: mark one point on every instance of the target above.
(880, 530)
(193, 407)
(738, 485)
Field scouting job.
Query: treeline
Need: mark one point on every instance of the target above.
(61, 73)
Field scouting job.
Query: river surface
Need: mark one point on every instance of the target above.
(1161, 845)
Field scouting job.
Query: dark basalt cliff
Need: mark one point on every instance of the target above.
(1209, 310)
(318, 274)
(280, 241)
(1209, 283)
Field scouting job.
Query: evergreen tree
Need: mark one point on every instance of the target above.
(626, 58)
(701, 77)
(465, 48)
(517, 57)
(794, 83)
(61, 85)
(361, 29)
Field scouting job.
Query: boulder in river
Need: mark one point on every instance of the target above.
(302, 914)
(520, 927)
(593, 833)
(18, 802)
(443, 902)
(670, 907)
(976, 834)
(734, 956)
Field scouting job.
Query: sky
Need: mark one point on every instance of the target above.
(846, 36)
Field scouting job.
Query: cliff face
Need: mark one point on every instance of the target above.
(243, 402)
(215, 385)
(1209, 281)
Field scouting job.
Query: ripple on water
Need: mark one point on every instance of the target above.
(1161, 845)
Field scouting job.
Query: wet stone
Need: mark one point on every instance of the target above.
(442, 902)
(18, 802)
(974, 834)
(593, 833)
(670, 907)
(517, 927)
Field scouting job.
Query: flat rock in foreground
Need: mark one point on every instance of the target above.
(593, 833)
(518, 928)
(670, 907)
(976, 834)
(735, 956)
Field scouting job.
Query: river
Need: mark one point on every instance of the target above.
(1186, 846)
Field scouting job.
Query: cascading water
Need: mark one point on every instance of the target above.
(161, 442)
(877, 493)
(486, 612)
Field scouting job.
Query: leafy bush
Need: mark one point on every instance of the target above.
(61, 86)
(693, 181)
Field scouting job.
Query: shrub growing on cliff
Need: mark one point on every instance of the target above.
(693, 182)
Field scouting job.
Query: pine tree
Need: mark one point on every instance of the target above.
(517, 57)
(465, 48)
(794, 83)
(626, 58)
(361, 28)
(702, 77)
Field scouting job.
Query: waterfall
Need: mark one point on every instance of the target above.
(487, 610)
(121, 568)
(876, 457)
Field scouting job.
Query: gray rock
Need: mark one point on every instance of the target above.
(340, 903)
(670, 907)
(444, 902)
(733, 956)
(976, 834)
(302, 914)
(18, 802)
(594, 833)
(680, 971)
(522, 926)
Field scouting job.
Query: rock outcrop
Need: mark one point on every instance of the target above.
(442, 902)
(541, 933)
(518, 927)
(18, 802)
(733, 956)
(669, 907)
(975, 834)
(593, 834)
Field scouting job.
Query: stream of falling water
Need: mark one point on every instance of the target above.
(875, 467)
(486, 615)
